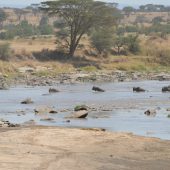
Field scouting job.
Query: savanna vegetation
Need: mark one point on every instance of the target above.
(92, 34)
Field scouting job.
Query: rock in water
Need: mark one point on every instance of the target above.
(3, 86)
(5, 124)
(138, 89)
(150, 112)
(79, 114)
(166, 89)
(97, 89)
(52, 90)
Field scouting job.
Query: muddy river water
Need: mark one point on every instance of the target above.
(117, 109)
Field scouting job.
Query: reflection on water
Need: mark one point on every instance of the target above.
(126, 108)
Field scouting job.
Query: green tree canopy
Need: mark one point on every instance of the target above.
(157, 20)
(102, 39)
(80, 16)
(3, 17)
(128, 10)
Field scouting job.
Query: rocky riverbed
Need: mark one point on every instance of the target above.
(97, 114)
(30, 78)
(115, 107)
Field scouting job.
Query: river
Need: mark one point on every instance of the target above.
(118, 109)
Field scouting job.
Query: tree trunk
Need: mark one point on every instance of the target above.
(118, 50)
(74, 43)
(72, 50)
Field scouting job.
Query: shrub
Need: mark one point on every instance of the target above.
(102, 40)
(4, 51)
(7, 35)
(44, 27)
(132, 43)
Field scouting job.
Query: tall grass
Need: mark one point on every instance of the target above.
(157, 50)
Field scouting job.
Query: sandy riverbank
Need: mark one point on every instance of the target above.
(41, 148)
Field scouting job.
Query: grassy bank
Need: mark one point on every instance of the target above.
(129, 64)
(152, 58)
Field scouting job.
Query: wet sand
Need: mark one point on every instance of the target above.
(53, 148)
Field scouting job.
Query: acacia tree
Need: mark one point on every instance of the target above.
(102, 39)
(128, 10)
(80, 16)
(119, 42)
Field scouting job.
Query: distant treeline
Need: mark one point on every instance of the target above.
(147, 8)
(24, 29)
(155, 28)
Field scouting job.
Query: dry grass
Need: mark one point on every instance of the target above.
(30, 45)
(146, 62)
(134, 63)
(46, 68)
(42, 68)
(7, 68)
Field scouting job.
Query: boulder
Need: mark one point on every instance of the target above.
(97, 89)
(27, 101)
(166, 89)
(4, 86)
(150, 112)
(79, 114)
(138, 89)
(5, 124)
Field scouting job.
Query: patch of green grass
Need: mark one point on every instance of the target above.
(80, 107)
(89, 69)
(43, 73)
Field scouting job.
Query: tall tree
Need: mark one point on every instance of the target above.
(128, 10)
(80, 16)
(102, 39)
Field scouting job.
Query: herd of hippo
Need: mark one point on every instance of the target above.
(138, 89)
(82, 110)
(135, 89)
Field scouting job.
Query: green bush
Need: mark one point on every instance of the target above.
(24, 29)
(46, 30)
(102, 39)
(132, 43)
(7, 35)
(44, 27)
(4, 51)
